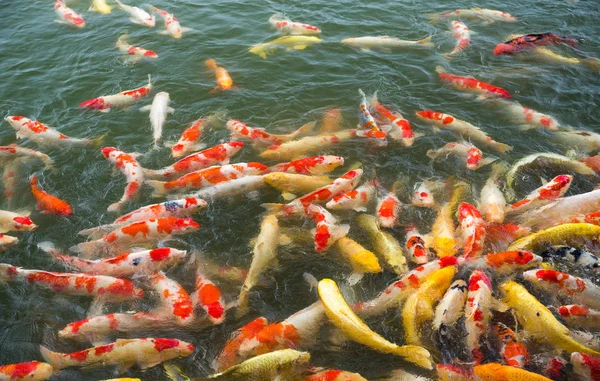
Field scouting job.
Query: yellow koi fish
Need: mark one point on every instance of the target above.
(565, 234)
(287, 42)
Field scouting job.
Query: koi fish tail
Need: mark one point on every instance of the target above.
(158, 186)
(361, 93)
(115, 207)
(426, 42)
(502, 148)
(7, 272)
(304, 130)
(242, 303)
(591, 63)
(86, 249)
(95, 142)
(339, 231)
(260, 50)
(415, 354)
(210, 64)
(373, 101)
(153, 173)
(439, 69)
(432, 154)
(273, 208)
(53, 358)
(434, 17)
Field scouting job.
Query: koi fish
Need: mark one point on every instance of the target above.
(174, 299)
(11, 221)
(471, 154)
(229, 355)
(422, 195)
(388, 208)
(123, 99)
(449, 372)
(137, 15)
(158, 114)
(207, 177)
(32, 371)
(286, 26)
(568, 234)
(224, 81)
(581, 140)
(208, 296)
(136, 52)
(462, 34)
(513, 352)
(462, 128)
(386, 43)
(307, 145)
(362, 260)
(579, 315)
(541, 196)
(315, 165)
(368, 125)
(415, 245)
(240, 130)
(508, 261)
(488, 15)
(286, 364)
(579, 290)
(327, 230)
(572, 254)
(43, 135)
(471, 84)
(232, 188)
(497, 372)
(472, 228)
(340, 314)
(547, 55)
(139, 232)
(129, 166)
(356, 199)
(47, 203)
(384, 244)
(555, 368)
(188, 142)
(398, 128)
(450, 308)
(586, 366)
(106, 287)
(444, 243)
(529, 118)
(101, 7)
(219, 154)
(7, 241)
(492, 201)
(172, 27)
(123, 353)
(288, 42)
(334, 375)
(477, 312)
(291, 184)
(332, 120)
(67, 16)
(529, 41)
(13, 152)
(9, 179)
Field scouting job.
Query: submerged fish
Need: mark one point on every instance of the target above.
(137, 15)
(136, 53)
(284, 364)
(172, 26)
(529, 41)
(158, 114)
(384, 244)
(224, 81)
(288, 42)
(47, 203)
(487, 15)
(123, 99)
(385, 43)
(129, 166)
(472, 84)
(101, 7)
(66, 15)
(462, 34)
(31, 371)
(286, 26)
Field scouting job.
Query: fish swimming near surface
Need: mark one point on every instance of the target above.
(286, 26)
(124, 99)
(135, 53)
(30, 371)
(286, 42)
(386, 43)
(484, 14)
(137, 15)
(172, 26)
(158, 114)
(101, 7)
(47, 203)
(44, 135)
(129, 166)
(471, 84)
(472, 155)
(67, 16)
(224, 81)
(7, 241)
(529, 41)
(16, 221)
(462, 34)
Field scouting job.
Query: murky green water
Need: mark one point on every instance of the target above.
(47, 69)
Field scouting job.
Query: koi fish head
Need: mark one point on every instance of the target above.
(106, 151)
(28, 370)
(332, 162)
(16, 121)
(586, 364)
(477, 279)
(505, 49)
(23, 223)
(466, 210)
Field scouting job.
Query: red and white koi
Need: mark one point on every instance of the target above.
(586, 366)
(488, 15)
(20, 222)
(477, 312)
(492, 201)
(207, 177)
(513, 352)
(462, 34)
(66, 15)
(471, 84)
(368, 125)
(47, 203)
(315, 165)
(174, 299)
(327, 229)
(579, 316)
(397, 128)
(145, 353)
(356, 199)
(208, 297)
(136, 53)
(137, 15)
(422, 195)
(240, 130)
(31, 371)
(111, 288)
(529, 118)
(507, 262)
(129, 166)
(472, 155)
(541, 196)
(229, 355)
(472, 228)
(286, 26)
(123, 99)
(13, 152)
(520, 43)
(579, 290)
(450, 308)
(555, 368)
(388, 209)
(189, 140)
(172, 26)
(158, 114)
(43, 135)
(462, 128)
(7, 241)
(140, 232)
(415, 245)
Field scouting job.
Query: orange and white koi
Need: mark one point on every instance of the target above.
(555, 188)
(239, 130)
(579, 290)
(477, 312)
(388, 209)
(472, 155)
(492, 201)
(368, 125)
(487, 15)
(137, 15)
(332, 120)
(47, 203)
(472, 228)
(13, 152)
(327, 229)
(66, 15)
(43, 135)
(123, 99)
(129, 166)
(224, 81)
(311, 144)
(449, 372)
(462, 128)
(396, 127)
(11, 221)
(144, 352)
(31, 371)
(579, 316)
(111, 288)
(472, 84)
(529, 118)
(315, 165)
(219, 154)
(136, 53)
(174, 299)
(507, 262)
(513, 352)
(139, 232)
(462, 34)
(207, 177)
(230, 352)
(450, 308)
(7, 241)
(586, 366)
(208, 296)
(415, 245)
(286, 26)
(172, 26)
(422, 195)
(188, 142)
(334, 375)
(356, 199)
(158, 114)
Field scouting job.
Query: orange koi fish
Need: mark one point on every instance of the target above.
(129, 166)
(224, 81)
(174, 299)
(334, 375)
(188, 142)
(47, 203)
(356, 199)
(586, 366)
(388, 208)
(123, 99)
(513, 353)
(368, 125)
(315, 165)
(579, 315)
(449, 372)
(530, 41)
(31, 371)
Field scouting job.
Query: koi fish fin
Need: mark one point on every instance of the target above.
(434, 18)
(287, 196)
(170, 110)
(361, 93)
(486, 161)
(115, 207)
(426, 42)
(158, 186)
(53, 358)
(95, 142)
(502, 148)
(215, 90)
(48, 247)
(96, 307)
(360, 209)
(124, 367)
(98, 231)
(354, 278)
(86, 249)
(174, 372)
(145, 108)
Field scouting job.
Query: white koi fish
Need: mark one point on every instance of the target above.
(462, 34)
(580, 140)
(422, 195)
(136, 53)
(67, 16)
(123, 99)
(137, 15)
(172, 27)
(579, 290)
(385, 43)
(450, 308)
(132, 170)
(356, 199)
(246, 185)
(543, 195)
(487, 15)
(286, 26)
(43, 135)
(472, 155)
(158, 114)
(388, 208)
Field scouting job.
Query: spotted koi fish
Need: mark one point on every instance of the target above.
(208, 297)
(239, 130)
(586, 366)
(579, 290)
(579, 315)
(308, 145)
(529, 118)
(189, 140)
(224, 81)
(207, 177)
(368, 125)
(555, 188)
(334, 375)
(47, 203)
(488, 15)
(113, 289)
(477, 312)
(462, 34)
(415, 245)
(12, 153)
(472, 155)
(388, 209)
(67, 16)
(139, 232)
(513, 352)
(508, 262)
(137, 15)
(123, 99)
(574, 255)
(462, 128)
(450, 308)
(356, 199)
(172, 26)
(396, 127)
(529, 41)
(472, 228)
(43, 135)
(7, 241)
(136, 53)
(327, 229)
(31, 371)
(315, 165)
(232, 349)
(286, 26)
(174, 299)
(129, 166)
(11, 221)
(145, 353)
(471, 84)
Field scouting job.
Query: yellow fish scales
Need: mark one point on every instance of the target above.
(498, 372)
(566, 234)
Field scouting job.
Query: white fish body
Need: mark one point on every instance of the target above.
(385, 43)
(67, 16)
(137, 15)
(158, 114)
(450, 308)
